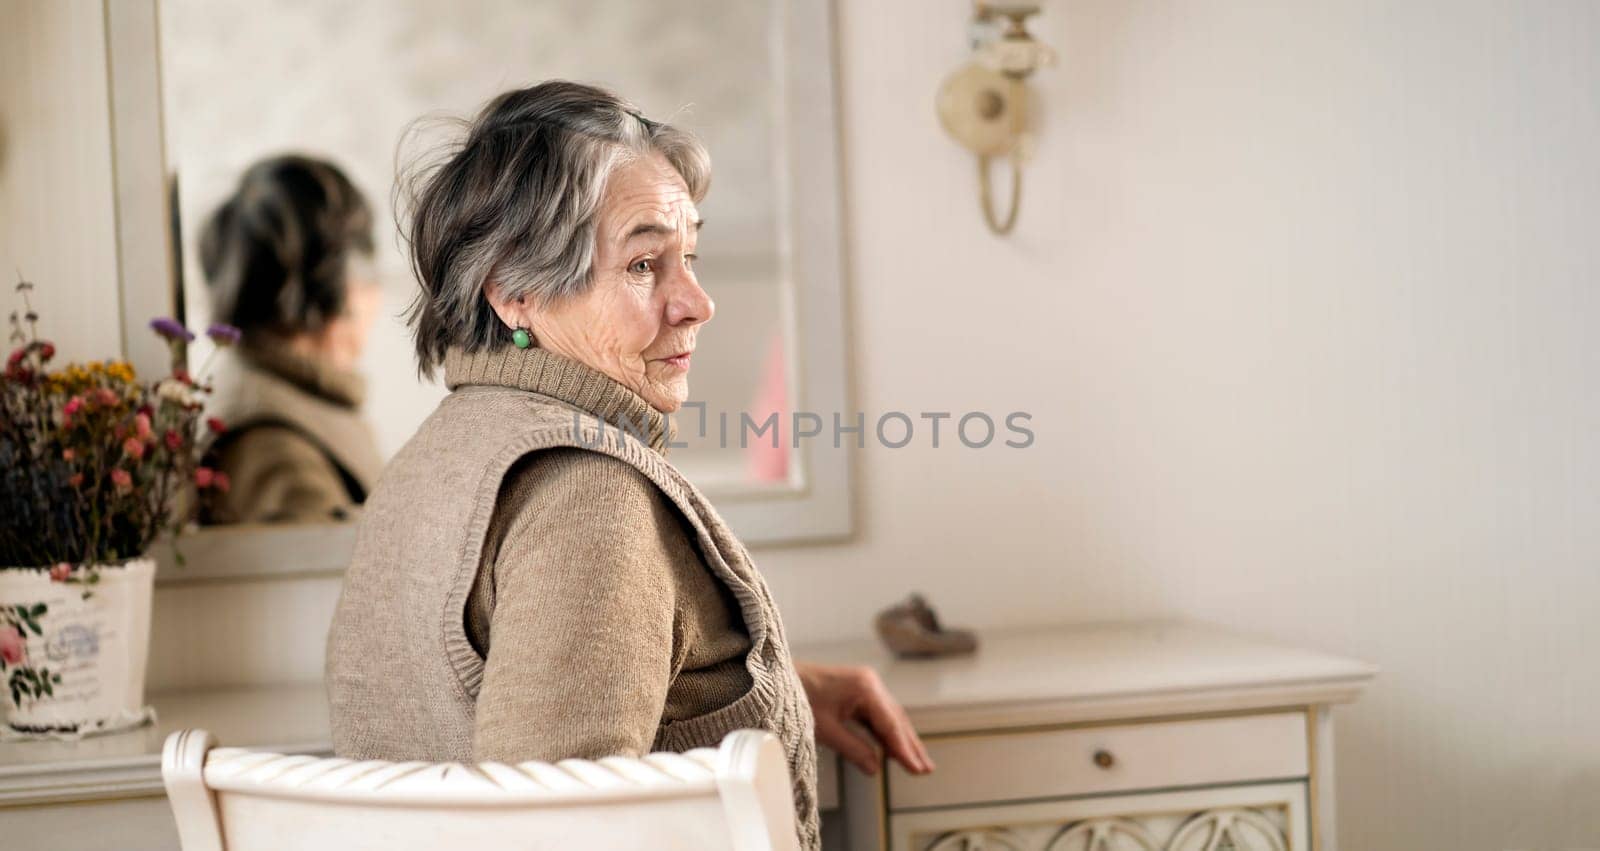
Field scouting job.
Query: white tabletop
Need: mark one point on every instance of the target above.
(286, 719)
(1089, 672)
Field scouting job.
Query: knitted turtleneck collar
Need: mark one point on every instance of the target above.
(313, 375)
(549, 374)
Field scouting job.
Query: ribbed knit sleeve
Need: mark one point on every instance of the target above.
(582, 636)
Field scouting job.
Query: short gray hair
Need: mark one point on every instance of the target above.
(517, 200)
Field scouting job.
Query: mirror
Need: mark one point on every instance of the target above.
(343, 82)
(240, 81)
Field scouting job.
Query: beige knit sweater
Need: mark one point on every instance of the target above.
(531, 584)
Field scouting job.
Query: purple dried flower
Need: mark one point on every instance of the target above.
(172, 329)
(223, 334)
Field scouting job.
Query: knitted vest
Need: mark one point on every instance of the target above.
(403, 676)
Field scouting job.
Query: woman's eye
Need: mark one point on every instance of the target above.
(640, 267)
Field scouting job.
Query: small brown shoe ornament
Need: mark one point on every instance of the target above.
(911, 630)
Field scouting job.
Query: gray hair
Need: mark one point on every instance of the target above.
(516, 202)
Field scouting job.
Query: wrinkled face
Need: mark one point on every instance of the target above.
(637, 321)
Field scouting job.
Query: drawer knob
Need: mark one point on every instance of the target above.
(1104, 759)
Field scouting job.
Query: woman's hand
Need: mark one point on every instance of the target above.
(840, 693)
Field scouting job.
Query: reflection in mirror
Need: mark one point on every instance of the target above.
(344, 85)
(287, 265)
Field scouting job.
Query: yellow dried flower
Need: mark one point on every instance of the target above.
(121, 370)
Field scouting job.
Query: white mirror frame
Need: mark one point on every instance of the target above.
(816, 504)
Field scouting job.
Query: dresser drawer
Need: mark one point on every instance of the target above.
(1008, 766)
(1254, 817)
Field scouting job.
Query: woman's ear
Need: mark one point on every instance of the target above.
(513, 312)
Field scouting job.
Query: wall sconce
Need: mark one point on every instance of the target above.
(984, 103)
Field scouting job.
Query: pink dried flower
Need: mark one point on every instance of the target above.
(76, 480)
(69, 454)
(141, 426)
(204, 476)
(69, 410)
(122, 480)
(216, 425)
(133, 447)
(174, 440)
(221, 481)
(60, 572)
(13, 648)
(104, 397)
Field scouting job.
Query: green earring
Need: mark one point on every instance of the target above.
(521, 338)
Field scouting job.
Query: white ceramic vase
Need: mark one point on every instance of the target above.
(98, 646)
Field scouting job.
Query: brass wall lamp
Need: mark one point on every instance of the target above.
(984, 103)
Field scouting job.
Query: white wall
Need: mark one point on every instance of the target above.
(1298, 301)
(57, 226)
(1301, 299)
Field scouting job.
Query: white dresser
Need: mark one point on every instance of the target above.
(1119, 737)
(1161, 736)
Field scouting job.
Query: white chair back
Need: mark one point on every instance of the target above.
(735, 797)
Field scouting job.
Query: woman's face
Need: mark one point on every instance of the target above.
(342, 339)
(637, 321)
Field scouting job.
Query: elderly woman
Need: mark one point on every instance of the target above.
(287, 258)
(532, 579)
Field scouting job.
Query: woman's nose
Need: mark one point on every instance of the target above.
(690, 303)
